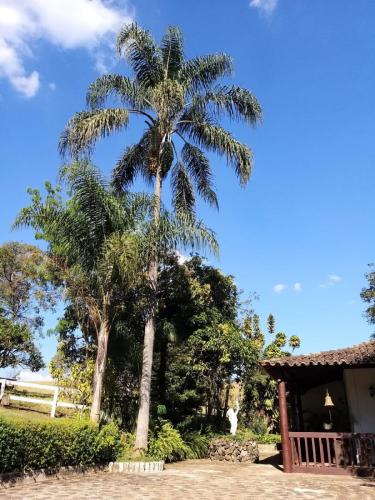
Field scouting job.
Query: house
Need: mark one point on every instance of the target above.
(327, 410)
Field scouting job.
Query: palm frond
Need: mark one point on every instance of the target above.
(201, 72)
(166, 157)
(238, 103)
(121, 253)
(183, 230)
(132, 163)
(198, 166)
(139, 48)
(182, 189)
(84, 129)
(129, 92)
(172, 50)
(202, 130)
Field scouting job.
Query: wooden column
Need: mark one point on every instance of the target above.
(285, 442)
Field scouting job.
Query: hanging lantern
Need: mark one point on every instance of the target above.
(328, 400)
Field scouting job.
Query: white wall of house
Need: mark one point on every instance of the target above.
(361, 404)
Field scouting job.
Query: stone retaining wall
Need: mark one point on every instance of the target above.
(234, 451)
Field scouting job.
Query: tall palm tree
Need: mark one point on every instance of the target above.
(181, 103)
(98, 242)
(95, 247)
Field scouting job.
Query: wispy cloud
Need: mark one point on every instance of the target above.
(279, 288)
(69, 24)
(297, 287)
(264, 6)
(332, 279)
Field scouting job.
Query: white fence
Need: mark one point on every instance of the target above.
(54, 402)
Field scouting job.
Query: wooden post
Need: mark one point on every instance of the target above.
(2, 388)
(285, 442)
(54, 402)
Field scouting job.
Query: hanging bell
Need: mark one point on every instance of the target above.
(328, 400)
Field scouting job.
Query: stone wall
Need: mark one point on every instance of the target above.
(234, 451)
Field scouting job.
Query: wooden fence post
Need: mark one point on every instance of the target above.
(54, 402)
(2, 389)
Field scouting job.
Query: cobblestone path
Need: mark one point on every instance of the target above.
(200, 480)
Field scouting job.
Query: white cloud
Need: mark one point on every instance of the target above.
(264, 6)
(332, 279)
(297, 287)
(279, 288)
(69, 24)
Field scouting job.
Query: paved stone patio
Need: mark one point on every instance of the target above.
(200, 479)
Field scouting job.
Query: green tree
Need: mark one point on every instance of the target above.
(95, 247)
(200, 347)
(182, 103)
(368, 296)
(99, 242)
(17, 347)
(260, 390)
(26, 285)
(26, 290)
(271, 324)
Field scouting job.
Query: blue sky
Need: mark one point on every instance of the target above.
(301, 233)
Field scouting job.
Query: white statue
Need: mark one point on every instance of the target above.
(233, 419)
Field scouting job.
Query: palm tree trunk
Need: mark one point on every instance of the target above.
(141, 440)
(99, 372)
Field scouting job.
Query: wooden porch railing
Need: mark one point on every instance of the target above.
(331, 452)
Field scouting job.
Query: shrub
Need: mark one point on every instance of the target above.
(198, 445)
(268, 438)
(127, 448)
(259, 425)
(241, 435)
(167, 444)
(33, 444)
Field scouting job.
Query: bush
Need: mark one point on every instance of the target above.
(197, 444)
(241, 435)
(259, 425)
(167, 444)
(33, 444)
(269, 439)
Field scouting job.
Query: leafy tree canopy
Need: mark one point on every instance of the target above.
(26, 291)
(368, 296)
(26, 288)
(17, 347)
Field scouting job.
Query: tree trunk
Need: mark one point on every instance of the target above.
(226, 402)
(162, 371)
(99, 372)
(141, 440)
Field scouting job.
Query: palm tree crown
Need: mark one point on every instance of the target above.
(182, 104)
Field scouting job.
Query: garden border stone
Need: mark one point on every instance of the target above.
(10, 479)
(131, 467)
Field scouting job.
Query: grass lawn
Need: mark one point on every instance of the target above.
(27, 413)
